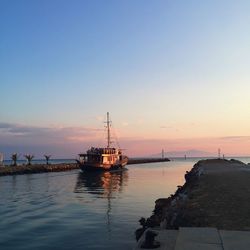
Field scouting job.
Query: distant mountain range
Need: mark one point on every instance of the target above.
(188, 153)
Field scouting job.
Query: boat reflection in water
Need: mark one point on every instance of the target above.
(102, 185)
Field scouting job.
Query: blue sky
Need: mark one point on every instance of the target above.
(164, 69)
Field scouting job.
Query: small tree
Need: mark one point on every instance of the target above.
(14, 157)
(29, 158)
(47, 157)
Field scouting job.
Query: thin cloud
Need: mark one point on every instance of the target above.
(125, 124)
(163, 127)
(8, 131)
(167, 127)
(235, 138)
(140, 121)
(99, 118)
(4, 125)
(70, 140)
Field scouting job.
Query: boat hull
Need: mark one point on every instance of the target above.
(101, 167)
(85, 167)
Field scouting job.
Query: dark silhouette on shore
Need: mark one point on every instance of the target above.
(47, 158)
(29, 158)
(14, 157)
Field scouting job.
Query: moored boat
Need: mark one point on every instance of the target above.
(103, 159)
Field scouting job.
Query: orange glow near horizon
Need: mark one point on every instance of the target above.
(230, 146)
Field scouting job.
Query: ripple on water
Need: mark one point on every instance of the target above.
(81, 211)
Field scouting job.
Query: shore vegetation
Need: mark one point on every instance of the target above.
(47, 158)
(14, 157)
(29, 158)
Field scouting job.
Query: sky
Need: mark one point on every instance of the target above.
(174, 75)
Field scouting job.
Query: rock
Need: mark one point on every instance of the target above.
(150, 242)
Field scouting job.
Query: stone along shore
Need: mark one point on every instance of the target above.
(216, 194)
(42, 168)
(37, 168)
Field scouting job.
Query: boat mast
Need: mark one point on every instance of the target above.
(108, 126)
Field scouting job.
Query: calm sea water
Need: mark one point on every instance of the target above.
(74, 210)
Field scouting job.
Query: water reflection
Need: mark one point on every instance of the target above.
(104, 184)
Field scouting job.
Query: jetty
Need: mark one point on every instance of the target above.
(210, 211)
(146, 160)
(37, 168)
(43, 168)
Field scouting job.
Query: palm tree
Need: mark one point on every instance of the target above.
(47, 157)
(29, 158)
(14, 157)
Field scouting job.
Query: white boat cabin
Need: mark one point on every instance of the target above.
(101, 156)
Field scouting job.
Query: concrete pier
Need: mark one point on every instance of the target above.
(210, 211)
(203, 238)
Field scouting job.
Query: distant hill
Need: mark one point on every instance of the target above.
(188, 153)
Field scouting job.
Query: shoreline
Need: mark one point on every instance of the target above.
(37, 168)
(60, 167)
(215, 194)
(146, 160)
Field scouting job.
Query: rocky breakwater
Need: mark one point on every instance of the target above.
(41, 168)
(146, 160)
(37, 168)
(215, 194)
